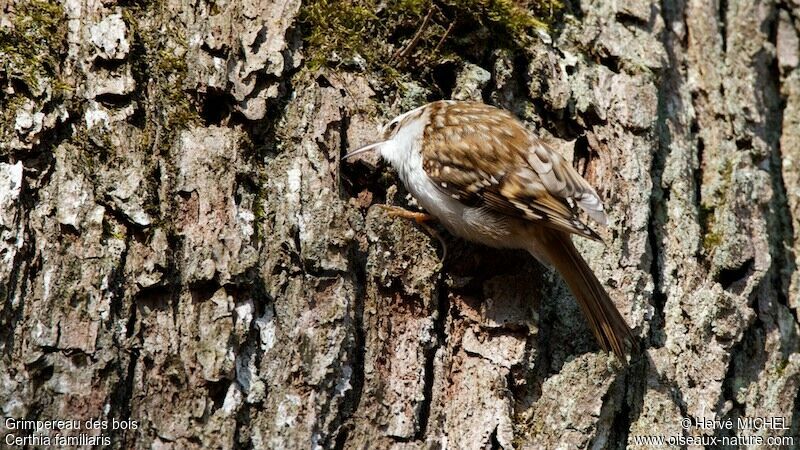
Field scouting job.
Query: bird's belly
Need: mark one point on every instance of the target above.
(473, 224)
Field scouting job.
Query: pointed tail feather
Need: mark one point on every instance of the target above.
(605, 320)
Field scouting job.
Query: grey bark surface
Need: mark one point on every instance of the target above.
(225, 281)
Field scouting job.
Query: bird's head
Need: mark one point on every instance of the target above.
(400, 139)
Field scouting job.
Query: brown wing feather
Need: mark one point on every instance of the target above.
(483, 156)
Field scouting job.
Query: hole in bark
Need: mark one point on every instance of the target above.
(323, 82)
(75, 301)
(110, 65)
(622, 415)
(366, 184)
(723, 24)
(728, 277)
(698, 187)
(694, 128)
(68, 230)
(611, 62)
(495, 444)
(221, 53)
(20, 88)
(153, 298)
(112, 100)
(173, 371)
(245, 186)
(79, 360)
(341, 438)
(745, 143)
(138, 118)
(217, 390)
(631, 21)
(41, 374)
(591, 117)
(139, 236)
(659, 298)
(130, 326)
(215, 107)
(581, 155)
(202, 291)
(444, 77)
(260, 39)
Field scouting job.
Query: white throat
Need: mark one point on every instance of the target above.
(403, 150)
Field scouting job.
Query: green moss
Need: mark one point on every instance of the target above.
(30, 51)
(111, 229)
(159, 61)
(382, 32)
(711, 241)
(711, 238)
(510, 15)
(780, 368)
(32, 47)
(93, 147)
(168, 66)
(8, 111)
(259, 211)
(727, 173)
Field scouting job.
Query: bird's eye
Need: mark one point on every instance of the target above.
(392, 127)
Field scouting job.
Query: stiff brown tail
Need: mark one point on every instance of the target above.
(605, 321)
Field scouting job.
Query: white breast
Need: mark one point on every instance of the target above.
(474, 224)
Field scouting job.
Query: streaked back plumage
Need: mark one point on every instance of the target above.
(485, 156)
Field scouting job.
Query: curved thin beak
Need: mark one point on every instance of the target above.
(363, 149)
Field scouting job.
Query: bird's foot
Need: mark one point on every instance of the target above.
(396, 211)
(421, 219)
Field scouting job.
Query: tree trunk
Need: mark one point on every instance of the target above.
(186, 257)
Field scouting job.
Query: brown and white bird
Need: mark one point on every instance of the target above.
(488, 179)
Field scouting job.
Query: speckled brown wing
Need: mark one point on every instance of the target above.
(483, 156)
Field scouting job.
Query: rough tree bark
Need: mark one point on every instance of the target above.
(183, 248)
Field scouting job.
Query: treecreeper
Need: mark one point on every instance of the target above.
(488, 179)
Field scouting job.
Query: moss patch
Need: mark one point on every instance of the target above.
(711, 237)
(406, 36)
(32, 47)
(159, 61)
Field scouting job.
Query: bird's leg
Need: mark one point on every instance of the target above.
(421, 219)
(396, 211)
